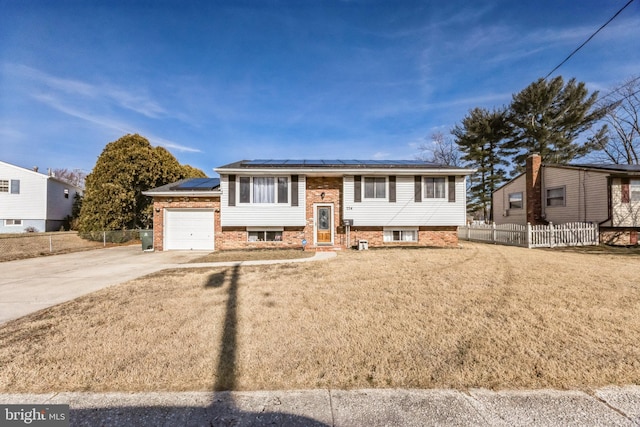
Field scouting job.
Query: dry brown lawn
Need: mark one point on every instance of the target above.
(254, 254)
(481, 316)
(31, 245)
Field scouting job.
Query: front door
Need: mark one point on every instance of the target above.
(323, 229)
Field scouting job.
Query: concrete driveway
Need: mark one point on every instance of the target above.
(32, 284)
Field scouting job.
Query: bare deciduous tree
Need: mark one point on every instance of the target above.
(440, 150)
(622, 118)
(72, 176)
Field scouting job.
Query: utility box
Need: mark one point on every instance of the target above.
(146, 236)
(363, 245)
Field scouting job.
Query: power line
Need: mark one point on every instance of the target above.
(589, 39)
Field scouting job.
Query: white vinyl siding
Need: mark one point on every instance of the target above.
(262, 214)
(625, 214)
(36, 199)
(634, 190)
(405, 211)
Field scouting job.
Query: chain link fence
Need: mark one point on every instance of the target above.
(30, 245)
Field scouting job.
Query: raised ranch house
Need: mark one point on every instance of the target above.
(322, 204)
(29, 199)
(608, 195)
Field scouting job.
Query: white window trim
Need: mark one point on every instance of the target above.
(13, 223)
(264, 230)
(547, 198)
(424, 188)
(387, 234)
(386, 189)
(251, 202)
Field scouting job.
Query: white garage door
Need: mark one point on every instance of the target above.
(189, 229)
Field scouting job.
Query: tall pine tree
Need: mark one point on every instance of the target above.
(480, 138)
(548, 117)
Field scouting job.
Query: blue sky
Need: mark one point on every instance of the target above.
(220, 81)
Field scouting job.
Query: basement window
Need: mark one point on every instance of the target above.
(12, 222)
(400, 235)
(265, 235)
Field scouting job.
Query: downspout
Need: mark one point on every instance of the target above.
(584, 191)
(609, 204)
(543, 194)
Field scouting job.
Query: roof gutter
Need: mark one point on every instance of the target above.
(350, 171)
(182, 193)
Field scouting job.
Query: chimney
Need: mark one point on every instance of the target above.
(534, 189)
(35, 169)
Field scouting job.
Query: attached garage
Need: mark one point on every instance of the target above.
(189, 229)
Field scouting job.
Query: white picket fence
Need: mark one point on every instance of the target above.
(533, 236)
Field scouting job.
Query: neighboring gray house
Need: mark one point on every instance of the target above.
(32, 199)
(608, 195)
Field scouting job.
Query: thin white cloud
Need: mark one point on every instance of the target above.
(136, 102)
(109, 123)
(381, 155)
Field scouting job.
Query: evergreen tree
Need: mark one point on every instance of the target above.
(113, 198)
(548, 117)
(480, 138)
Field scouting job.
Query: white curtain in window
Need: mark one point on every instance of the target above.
(263, 190)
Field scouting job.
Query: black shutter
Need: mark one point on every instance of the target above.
(452, 188)
(294, 190)
(417, 188)
(232, 190)
(625, 191)
(392, 189)
(357, 189)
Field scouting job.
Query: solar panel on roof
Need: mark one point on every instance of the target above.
(198, 184)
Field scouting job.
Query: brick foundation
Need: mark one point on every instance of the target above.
(619, 236)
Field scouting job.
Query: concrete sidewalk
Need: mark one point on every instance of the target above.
(29, 285)
(609, 406)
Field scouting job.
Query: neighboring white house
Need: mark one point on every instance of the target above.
(608, 195)
(327, 204)
(29, 199)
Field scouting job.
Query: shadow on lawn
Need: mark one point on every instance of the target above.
(222, 409)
